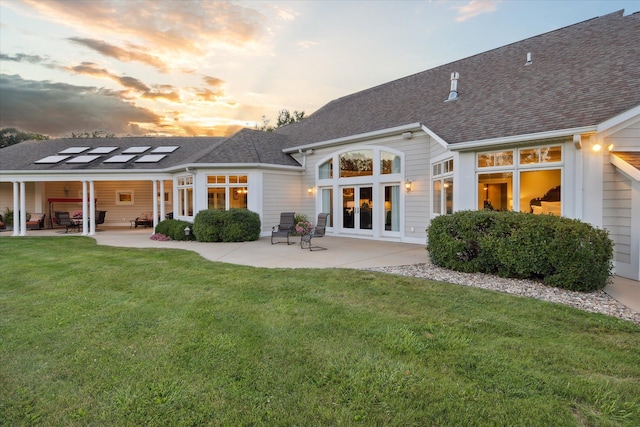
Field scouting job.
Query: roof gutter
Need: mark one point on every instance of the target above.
(517, 139)
(355, 138)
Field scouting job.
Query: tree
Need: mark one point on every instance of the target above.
(284, 118)
(10, 136)
(94, 134)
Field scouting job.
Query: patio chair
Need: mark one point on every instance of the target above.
(145, 220)
(64, 219)
(36, 221)
(318, 231)
(285, 228)
(100, 215)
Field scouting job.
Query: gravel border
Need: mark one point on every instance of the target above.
(595, 302)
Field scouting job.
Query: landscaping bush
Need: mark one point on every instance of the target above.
(558, 251)
(174, 228)
(300, 221)
(234, 225)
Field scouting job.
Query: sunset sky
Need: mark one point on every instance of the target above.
(187, 67)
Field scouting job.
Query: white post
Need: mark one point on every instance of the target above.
(92, 208)
(155, 205)
(16, 208)
(23, 210)
(162, 210)
(85, 209)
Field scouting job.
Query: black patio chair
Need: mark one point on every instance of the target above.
(317, 232)
(285, 228)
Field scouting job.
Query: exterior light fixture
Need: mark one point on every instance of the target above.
(408, 185)
(310, 190)
(596, 147)
(187, 231)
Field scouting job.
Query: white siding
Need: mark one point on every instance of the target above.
(621, 204)
(282, 192)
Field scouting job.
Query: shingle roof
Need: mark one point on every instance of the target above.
(23, 156)
(581, 75)
(630, 157)
(250, 146)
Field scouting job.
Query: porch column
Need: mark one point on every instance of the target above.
(92, 208)
(155, 205)
(23, 210)
(16, 208)
(85, 211)
(162, 209)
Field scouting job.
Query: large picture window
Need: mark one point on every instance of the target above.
(531, 183)
(227, 191)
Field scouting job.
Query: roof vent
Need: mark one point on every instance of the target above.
(453, 94)
(529, 60)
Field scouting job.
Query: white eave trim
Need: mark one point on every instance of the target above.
(355, 138)
(516, 139)
(624, 167)
(613, 124)
(435, 136)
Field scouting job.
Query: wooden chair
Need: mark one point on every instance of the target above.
(285, 228)
(318, 231)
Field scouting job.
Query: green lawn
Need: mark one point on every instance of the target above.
(94, 335)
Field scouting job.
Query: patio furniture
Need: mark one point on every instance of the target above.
(318, 231)
(144, 220)
(2, 224)
(100, 215)
(64, 219)
(285, 228)
(36, 221)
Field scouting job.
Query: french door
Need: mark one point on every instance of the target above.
(357, 209)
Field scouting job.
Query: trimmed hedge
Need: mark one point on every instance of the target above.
(234, 225)
(174, 228)
(560, 252)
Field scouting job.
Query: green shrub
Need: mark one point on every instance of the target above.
(174, 228)
(234, 225)
(558, 251)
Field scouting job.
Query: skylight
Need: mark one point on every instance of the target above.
(82, 159)
(151, 158)
(73, 150)
(120, 158)
(102, 150)
(165, 149)
(52, 159)
(136, 150)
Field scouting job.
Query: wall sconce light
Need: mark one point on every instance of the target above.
(408, 185)
(596, 147)
(66, 191)
(187, 231)
(310, 190)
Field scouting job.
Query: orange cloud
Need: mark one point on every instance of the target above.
(475, 8)
(188, 26)
(134, 53)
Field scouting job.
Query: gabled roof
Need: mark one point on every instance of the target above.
(580, 76)
(628, 162)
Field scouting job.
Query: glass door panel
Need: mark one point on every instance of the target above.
(357, 208)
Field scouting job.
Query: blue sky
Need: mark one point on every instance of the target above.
(208, 68)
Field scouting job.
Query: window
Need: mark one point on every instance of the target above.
(227, 191)
(442, 187)
(124, 197)
(389, 163)
(326, 170)
(185, 196)
(356, 163)
(533, 184)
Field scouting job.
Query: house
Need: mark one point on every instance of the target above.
(555, 114)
